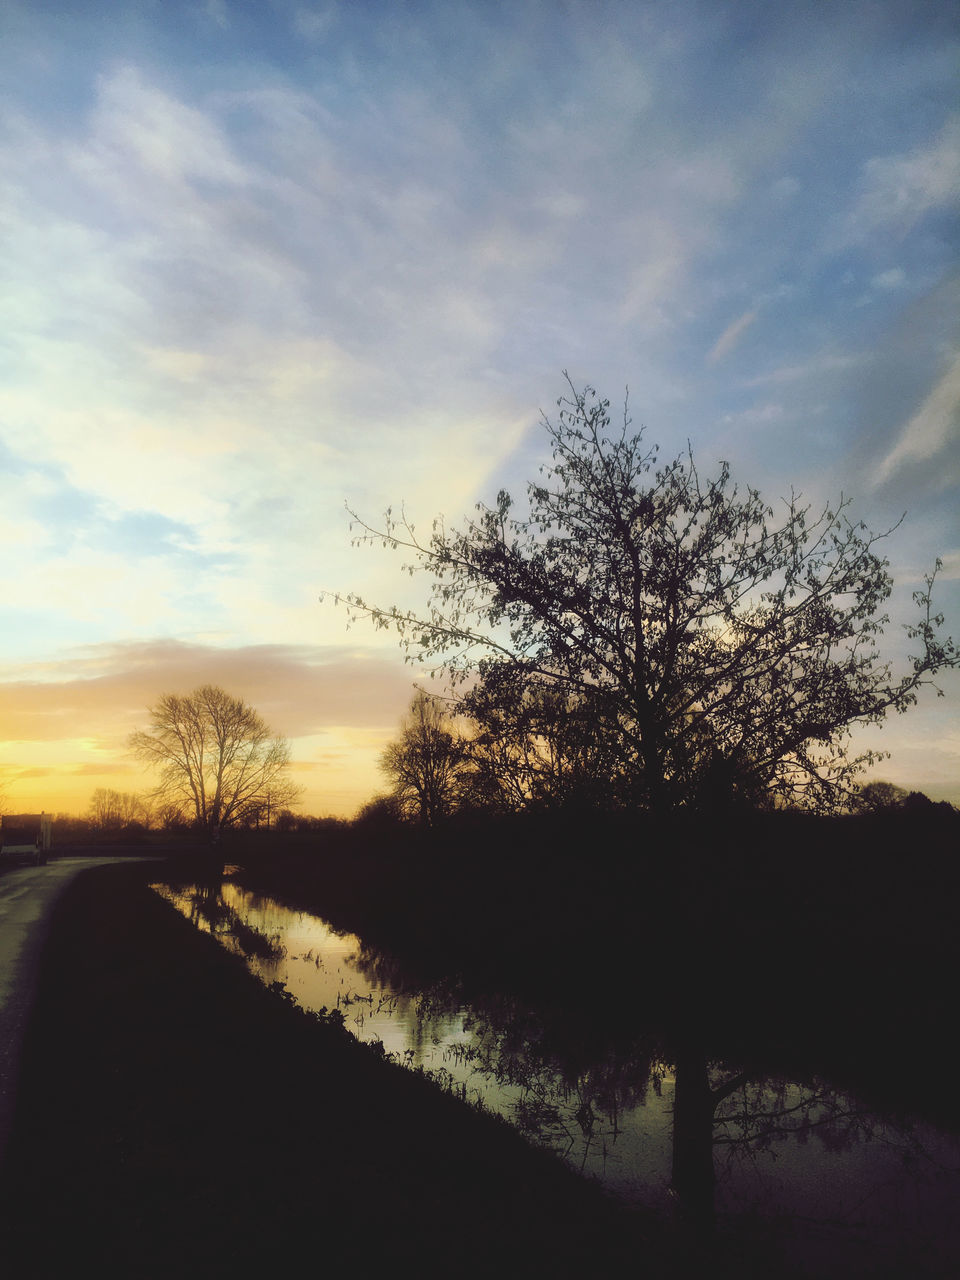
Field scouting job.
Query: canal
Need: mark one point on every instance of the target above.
(852, 1189)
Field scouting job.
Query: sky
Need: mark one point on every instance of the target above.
(262, 260)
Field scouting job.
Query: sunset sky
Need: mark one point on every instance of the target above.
(262, 259)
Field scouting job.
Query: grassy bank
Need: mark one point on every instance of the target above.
(176, 1119)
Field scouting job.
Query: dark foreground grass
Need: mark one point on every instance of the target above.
(175, 1119)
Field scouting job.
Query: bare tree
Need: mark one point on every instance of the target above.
(711, 646)
(425, 764)
(218, 761)
(112, 810)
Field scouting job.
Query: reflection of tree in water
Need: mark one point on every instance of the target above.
(204, 904)
(723, 1117)
(565, 1088)
(566, 1097)
(762, 1112)
(381, 969)
(574, 1099)
(429, 1012)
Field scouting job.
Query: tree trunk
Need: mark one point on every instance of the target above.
(693, 1107)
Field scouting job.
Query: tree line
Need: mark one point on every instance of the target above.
(440, 766)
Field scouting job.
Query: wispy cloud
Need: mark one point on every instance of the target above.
(731, 336)
(892, 279)
(931, 435)
(897, 190)
(254, 268)
(815, 368)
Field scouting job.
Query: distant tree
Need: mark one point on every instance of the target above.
(875, 797)
(264, 812)
(309, 823)
(917, 803)
(381, 812)
(709, 646)
(70, 829)
(425, 764)
(218, 762)
(920, 808)
(171, 819)
(114, 810)
(286, 820)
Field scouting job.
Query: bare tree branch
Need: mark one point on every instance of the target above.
(218, 763)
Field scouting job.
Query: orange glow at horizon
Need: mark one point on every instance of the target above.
(60, 740)
(59, 781)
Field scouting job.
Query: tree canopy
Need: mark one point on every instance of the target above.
(709, 648)
(218, 762)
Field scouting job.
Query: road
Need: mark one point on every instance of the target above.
(27, 899)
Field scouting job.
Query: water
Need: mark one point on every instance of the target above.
(851, 1190)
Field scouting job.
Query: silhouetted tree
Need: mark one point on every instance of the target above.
(425, 764)
(286, 820)
(69, 829)
(920, 805)
(217, 759)
(113, 810)
(380, 813)
(535, 747)
(875, 797)
(702, 639)
(170, 818)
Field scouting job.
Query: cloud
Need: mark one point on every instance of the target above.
(216, 11)
(152, 137)
(315, 23)
(731, 336)
(815, 368)
(196, 316)
(950, 571)
(761, 415)
(98, 770)
(66, 721)
(892, 279)
(103, 691)
(250, 275)
(928, 434)
(897, 191)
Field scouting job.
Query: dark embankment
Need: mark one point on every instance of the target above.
(780, 943)
(177, 1119)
